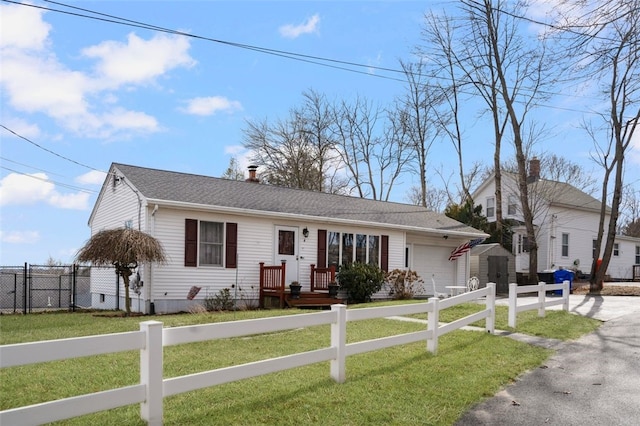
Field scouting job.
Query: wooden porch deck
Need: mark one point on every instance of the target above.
(275, 293)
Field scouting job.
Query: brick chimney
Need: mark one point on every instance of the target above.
(252, 174)
(534, 170)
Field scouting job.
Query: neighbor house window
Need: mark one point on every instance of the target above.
(347, 248)
(210, 243)
(565, 245)
(637, 255)
(491, 207)
(616, 249)
(512, 205)
(523, 244)
(594, 245)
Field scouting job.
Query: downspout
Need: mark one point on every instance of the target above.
(152, 306)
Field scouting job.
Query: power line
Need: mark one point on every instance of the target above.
(76, 188)
(49, 151)
(316, 60)
(31, 167)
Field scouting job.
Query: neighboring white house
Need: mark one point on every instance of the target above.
(566, 221)
(216, 232)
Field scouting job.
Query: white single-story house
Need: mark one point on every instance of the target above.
(216, 232)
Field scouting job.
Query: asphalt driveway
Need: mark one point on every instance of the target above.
(594, 380)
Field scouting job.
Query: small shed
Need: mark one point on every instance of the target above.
(493, 263)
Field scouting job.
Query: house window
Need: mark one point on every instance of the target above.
(374, 250)
(523, 244)
(333, 248)
(512, 206)
(211, 243)
(593, 249)
(637, 255)
(286, 242)
(361, 248)
(565, 245)
(616, 249)
(344, 248)
(491, 207)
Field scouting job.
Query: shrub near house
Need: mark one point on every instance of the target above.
(360, 281)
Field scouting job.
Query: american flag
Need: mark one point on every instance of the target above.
(463, 248)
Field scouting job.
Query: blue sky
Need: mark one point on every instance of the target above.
(86, 93)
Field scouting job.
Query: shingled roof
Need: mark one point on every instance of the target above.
(173, 187)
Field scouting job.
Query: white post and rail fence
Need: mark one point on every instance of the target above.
(542, 302)
(152, 337)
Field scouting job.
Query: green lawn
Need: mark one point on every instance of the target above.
(400, 385)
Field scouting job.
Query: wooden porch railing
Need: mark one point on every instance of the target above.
(321, 277)
(272, 282)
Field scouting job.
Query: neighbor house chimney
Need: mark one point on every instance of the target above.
(534, 170)
(252, 174)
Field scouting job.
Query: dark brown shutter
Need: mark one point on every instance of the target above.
(231, 246)
(321, 260)
(190, 242)
(384, 253)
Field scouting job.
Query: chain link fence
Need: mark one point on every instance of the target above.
(36, 288)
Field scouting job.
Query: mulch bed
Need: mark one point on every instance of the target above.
(608, 290)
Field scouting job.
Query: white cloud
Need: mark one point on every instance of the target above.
(19, 189)
(20, 237)
(35, 81)
(138, 61)
(131, 120)
(307, 27)
(94, 177)
(15, 19)
(21, 127)
(211, 105)
(77, 201)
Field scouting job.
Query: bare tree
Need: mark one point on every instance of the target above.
(371, 154)
(298, 152)
(605, 41)
(233, 172)
(413, 121)
(449, 74)
(520, 71)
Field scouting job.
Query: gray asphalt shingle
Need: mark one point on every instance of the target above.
(165, 185)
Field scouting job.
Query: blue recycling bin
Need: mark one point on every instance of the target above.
(560, 276)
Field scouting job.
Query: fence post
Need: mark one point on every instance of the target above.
(541, 298)
(151, 373)
(490, 303)
(339, 341)
(433, 318)
(565, 294)
(513, 304)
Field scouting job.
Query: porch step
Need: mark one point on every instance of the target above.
(313, 301)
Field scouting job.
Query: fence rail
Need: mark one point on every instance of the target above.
(151, 339)
(542, 303)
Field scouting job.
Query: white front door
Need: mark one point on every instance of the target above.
(286, 248)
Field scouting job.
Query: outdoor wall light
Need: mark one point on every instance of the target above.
(445, 236)
(305, 232)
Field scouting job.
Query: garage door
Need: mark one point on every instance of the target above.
(434, 261)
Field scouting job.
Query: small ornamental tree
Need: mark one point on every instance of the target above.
(360, 281)
(123, 248)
